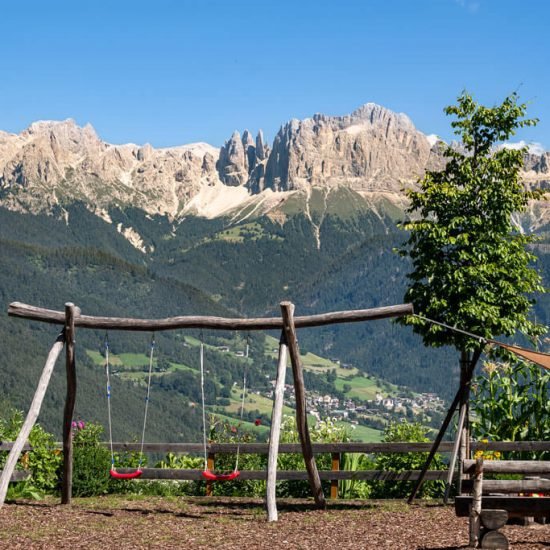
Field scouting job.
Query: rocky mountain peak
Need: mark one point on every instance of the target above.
(372, 151)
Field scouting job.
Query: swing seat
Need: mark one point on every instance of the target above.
(130, 475)
(211, 476)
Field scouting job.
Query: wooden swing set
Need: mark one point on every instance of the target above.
(72, 318)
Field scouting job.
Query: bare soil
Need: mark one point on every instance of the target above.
(155, 522)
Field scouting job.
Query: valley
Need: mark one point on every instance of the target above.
(138, 232)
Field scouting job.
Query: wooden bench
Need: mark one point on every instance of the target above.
(493, 502)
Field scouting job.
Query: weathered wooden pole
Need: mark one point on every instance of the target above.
(464, 433)
(289, 329)
(457, 443)
(457, 399)
(25, 311)
(32, 415)
(475, 512)
(275, 432)
(67, 482)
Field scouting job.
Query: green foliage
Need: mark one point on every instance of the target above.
(43, 462)
(471, 267)
(511, 402)
(222, 431)
(354, 488)
(398, 462)
(91, 462)
(324, 431)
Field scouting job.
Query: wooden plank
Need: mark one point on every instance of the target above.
(525, 467)
(518, 506)
(318, 448)
(335, 467)
(25, 311)
(263, 448)
(510, 486)
(291, 475)
(275, 431)
(210, 465)
(510, 446)
(32, 415)
(7, 446)
(71, 312)
(289, 329)
(19, 475)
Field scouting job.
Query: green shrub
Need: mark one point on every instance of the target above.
(398, 462)
(222, 431)
(43, 462)
(91, 461)
(325, 431)
(353, 488)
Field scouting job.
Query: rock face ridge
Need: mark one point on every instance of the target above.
(372, 151)
(51, 162)
(239, 158)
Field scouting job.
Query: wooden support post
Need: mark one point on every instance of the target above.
(32, 415)
(458, 439)
(211, 465)
(445, 425)
(335, 467)
(465, 382)
(275, 432)
(475, 512)
(67, 482)
(289, 329)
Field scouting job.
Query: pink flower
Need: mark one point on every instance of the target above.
(81, 425)
(73, 424)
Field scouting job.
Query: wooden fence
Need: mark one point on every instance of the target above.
(336, 450)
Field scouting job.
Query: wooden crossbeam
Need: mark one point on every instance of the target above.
(25, 311)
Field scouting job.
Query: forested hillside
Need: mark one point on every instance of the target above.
(323, 261)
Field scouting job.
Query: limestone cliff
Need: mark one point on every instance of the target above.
(373, 152)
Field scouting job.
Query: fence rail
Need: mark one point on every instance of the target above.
(335, 449)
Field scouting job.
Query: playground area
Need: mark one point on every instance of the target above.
(155, 522)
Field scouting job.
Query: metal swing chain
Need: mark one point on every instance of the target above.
(242, 403)
(151, 354)
(203, 406)
(109, 401)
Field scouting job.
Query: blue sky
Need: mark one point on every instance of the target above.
(173, 72)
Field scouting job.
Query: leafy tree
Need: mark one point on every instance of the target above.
(471, 266)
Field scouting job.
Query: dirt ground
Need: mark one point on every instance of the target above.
(154, 522)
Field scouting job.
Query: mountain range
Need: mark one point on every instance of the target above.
(129, 230)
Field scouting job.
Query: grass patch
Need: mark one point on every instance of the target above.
(252, 402)
(362, 433)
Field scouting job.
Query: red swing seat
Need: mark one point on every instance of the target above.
(211, 476)
(130, 475)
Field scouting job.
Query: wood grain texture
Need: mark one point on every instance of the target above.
(25, 311)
